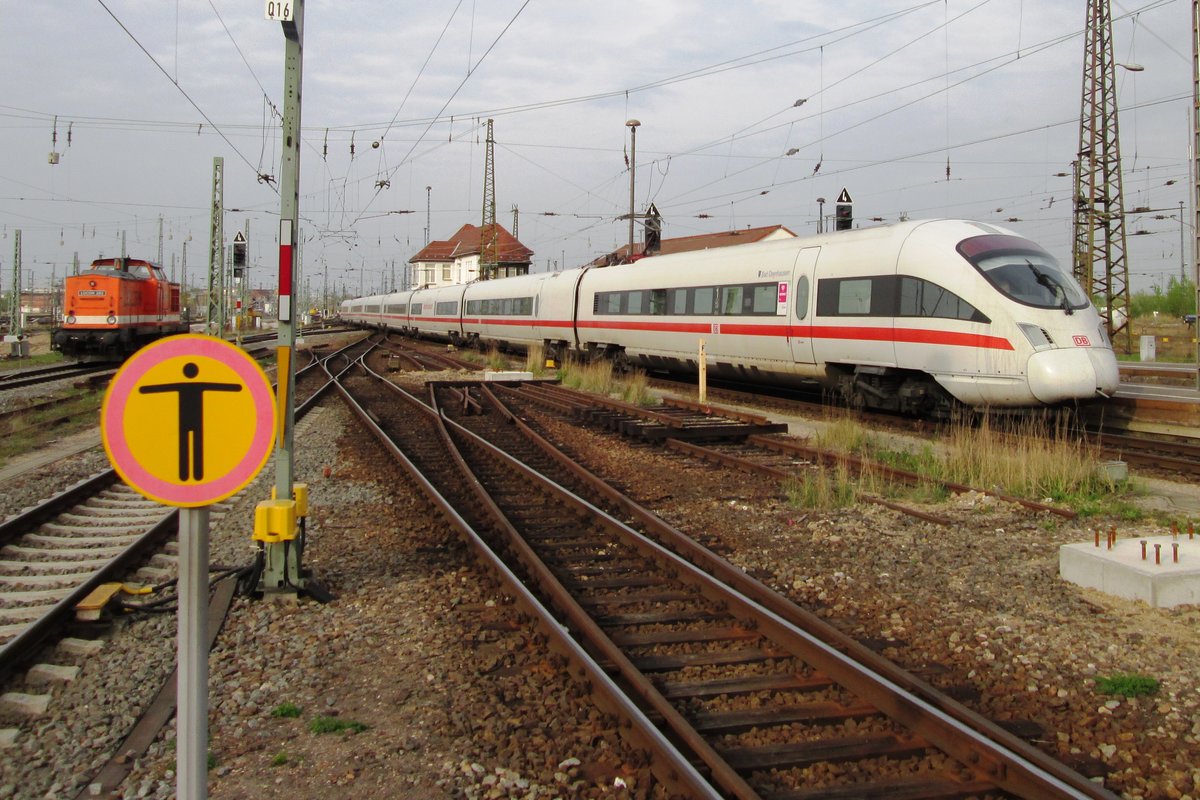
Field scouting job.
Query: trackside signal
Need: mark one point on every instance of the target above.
(843, 212)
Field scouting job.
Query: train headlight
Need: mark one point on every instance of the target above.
(1037, 336)
(112, 319)
(70, 319)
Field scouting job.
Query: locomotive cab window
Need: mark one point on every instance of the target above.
(1024, 272)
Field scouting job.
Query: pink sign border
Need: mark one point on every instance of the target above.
(123, 385)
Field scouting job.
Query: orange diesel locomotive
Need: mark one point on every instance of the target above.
(116, 306)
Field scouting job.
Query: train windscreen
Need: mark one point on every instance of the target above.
(1024, 272)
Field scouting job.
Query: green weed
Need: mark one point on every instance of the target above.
(1127, 685)
(325, 724)
(286, 710)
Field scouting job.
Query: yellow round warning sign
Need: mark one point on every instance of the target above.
(189, 420)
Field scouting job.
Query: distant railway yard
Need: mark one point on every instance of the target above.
(588, 585)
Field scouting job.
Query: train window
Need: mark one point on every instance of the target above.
(524, 306)
(921, 298)
(607, 303)
(373, 309)
(447, 308)
(857, 297)
(1021, 270)
(801, 299)
(679, 301)
(854, 297)
(764, 298)
(731, 300)
(658, 302)
(139, 270)
(703, 300)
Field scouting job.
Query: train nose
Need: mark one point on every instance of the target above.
(1056, 376)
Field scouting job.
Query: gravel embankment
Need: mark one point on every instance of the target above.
(459, 699)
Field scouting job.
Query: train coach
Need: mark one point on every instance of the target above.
(114, 307)
(908, 317)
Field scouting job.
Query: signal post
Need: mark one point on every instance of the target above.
(275, 529)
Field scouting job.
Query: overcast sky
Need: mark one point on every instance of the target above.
(150, 91)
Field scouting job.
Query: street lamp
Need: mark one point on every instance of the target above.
(821, 215)
(633, 126)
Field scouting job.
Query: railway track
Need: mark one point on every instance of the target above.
(402, 355)
(705, 666)
(33, 377)
(55, 554)
(1176, 455)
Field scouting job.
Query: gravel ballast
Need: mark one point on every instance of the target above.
(457, 698)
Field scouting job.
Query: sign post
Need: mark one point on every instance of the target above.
(189, 421)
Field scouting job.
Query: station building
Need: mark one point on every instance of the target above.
(456, 260)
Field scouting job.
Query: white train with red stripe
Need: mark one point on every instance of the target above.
(899, 317)
(114, 307)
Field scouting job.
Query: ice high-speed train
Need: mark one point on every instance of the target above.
(901, 317)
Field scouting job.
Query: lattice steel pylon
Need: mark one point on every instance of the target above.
(215, 321)
(487, 232)
(1099, 261)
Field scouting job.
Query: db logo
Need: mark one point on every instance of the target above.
(1081, 341)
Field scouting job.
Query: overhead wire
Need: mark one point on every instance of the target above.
(449, 100)
(180, 88)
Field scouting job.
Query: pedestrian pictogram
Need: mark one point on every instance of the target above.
(189, 420)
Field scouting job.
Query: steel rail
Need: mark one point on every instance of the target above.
(22, 647)
(25, 378)
(669, 765)
(1033, 771)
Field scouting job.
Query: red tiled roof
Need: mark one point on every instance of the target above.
(702, 241)
(468, 241)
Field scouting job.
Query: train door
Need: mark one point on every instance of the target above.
(804, 291)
